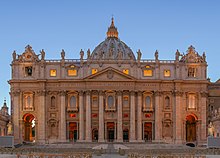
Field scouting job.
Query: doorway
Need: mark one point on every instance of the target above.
(125, 135)
(95, 135)
(73, 134)
(190, 128)
(148, 131)
(29, 128)
(110, 131)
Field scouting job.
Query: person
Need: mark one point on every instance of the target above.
(62, 54)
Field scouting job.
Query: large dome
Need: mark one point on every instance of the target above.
(112, 48)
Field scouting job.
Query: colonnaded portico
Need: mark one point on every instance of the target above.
(109, 95)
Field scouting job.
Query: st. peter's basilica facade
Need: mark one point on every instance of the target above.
(109, 95)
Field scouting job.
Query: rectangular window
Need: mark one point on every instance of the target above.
(191, 72)
(95, 101)
(125, 101)
(126, 71)
(192, 101)
(94, 71)
(28, 71)
(53, 73)
(148, 73)
(166, 73)
(72, 72)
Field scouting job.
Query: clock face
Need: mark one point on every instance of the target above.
(28, 56)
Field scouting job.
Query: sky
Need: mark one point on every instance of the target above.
(148, 25)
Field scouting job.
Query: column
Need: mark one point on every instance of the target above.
(63, 116)
(132, 117)
(203, 118)
(81, 117)
(178, 117)
(41, 117)
(158, 122)
(15, 116)
(88, 117)
(119, 121)
(101, 117)
(139, 117)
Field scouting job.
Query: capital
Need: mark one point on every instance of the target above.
(204, 94)
(177, 93)
(41, 92)
(157, 93)
(62, 93)
(15, 93)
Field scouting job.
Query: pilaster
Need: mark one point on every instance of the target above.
(81, 117)
(62, 116)
(119, 121)
(41, 117)
(158, 121)
(17, 129)
(178, 117)
(132, 117)
(88, 116)
(101, 117)
(139, 117)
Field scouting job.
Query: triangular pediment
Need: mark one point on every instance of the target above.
(110, 73)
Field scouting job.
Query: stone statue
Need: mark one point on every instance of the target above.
(156, 55)
(210, 129)
(42, 54)
(204, 56)
(111, 52)
(100, 54)
(119, 54)
(81, 54)
(63, 54)
(14, 55)
(177, 55)
(139, 54)
(88, 54)
(10, 132)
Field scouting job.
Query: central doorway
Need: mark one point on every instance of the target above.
(125, 135)
(148, 131)
(73, 134)
(110, 131)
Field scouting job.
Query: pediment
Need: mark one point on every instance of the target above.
(29, 55)
(110, 73)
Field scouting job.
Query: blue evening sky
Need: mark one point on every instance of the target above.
(53, 25)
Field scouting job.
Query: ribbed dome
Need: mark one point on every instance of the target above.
(112, 48)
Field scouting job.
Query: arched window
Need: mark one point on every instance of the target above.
(53, 102)
(73, 101)
(148, 102)
(110, 101)
(167, 102)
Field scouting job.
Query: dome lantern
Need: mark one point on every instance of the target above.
(112, 30)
